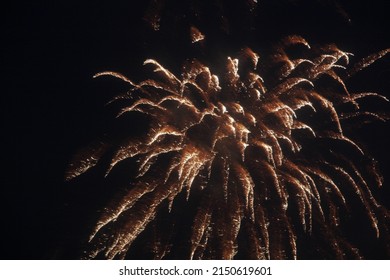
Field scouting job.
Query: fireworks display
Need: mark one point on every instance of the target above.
(254, 165)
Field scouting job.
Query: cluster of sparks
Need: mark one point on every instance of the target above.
(237, 144)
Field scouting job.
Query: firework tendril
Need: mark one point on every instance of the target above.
(261, 161)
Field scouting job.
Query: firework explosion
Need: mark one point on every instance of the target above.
(264, 162)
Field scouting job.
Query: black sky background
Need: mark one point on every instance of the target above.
(51, 106)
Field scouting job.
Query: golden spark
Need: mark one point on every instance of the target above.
(260, 160)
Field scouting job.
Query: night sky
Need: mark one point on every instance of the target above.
(51, 106)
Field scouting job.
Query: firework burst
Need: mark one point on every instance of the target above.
(264, 162)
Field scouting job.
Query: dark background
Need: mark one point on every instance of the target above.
(51, 106)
